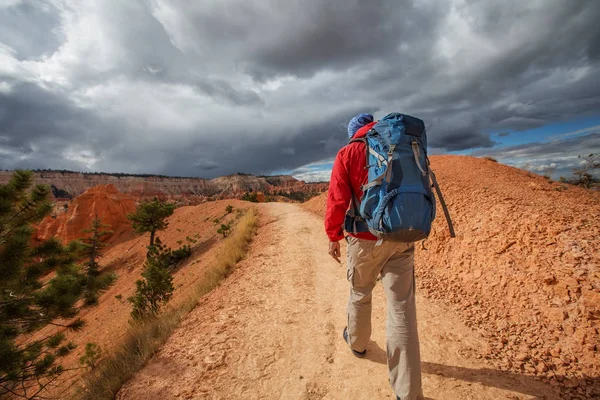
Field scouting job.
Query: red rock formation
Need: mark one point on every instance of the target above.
(105, 201)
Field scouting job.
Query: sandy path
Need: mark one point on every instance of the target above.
(273, 331)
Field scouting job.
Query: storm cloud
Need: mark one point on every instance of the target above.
(216, 87)
(556, 157)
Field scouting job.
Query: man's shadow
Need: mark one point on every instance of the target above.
(524, 384)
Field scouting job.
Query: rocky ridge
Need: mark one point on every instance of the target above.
(186, 190)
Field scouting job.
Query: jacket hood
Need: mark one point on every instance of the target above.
(362, 132)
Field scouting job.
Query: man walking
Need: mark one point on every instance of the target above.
(367, 259)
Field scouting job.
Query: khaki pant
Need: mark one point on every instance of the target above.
(394, 261)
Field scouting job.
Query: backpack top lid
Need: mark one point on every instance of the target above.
(391, 128)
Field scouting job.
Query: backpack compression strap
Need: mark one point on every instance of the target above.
(442, 202)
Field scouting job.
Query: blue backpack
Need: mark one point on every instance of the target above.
(398, 204)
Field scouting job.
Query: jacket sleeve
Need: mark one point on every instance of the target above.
(338, 199)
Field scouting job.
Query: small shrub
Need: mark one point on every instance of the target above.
(585, 174)
(119, 296)
(190, 240)
(491, 159)
(91, 356)
(229, 209)
(181, 253)
(216, 221)
(179, 242)
(251, 197)
(224, 230)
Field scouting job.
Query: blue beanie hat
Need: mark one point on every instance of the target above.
(358, 122)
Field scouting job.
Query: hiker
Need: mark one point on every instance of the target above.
(369, 257)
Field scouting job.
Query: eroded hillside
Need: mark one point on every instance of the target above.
(106, 324)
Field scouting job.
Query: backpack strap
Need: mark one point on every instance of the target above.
(375, 182)
(442, 202)
(362, 140)
(355, 210)
(415, 148)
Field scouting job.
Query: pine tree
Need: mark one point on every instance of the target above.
(150, 216)
(26, 302)
(93, 244)
(156, 288)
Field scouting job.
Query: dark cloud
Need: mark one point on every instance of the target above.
(557, 157)
(43, 129)
(504, 134)
(218, 87)
(460, 140)
(309, 143)
(206, 165)
(222, 90)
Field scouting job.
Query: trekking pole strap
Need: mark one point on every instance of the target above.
(442, 202)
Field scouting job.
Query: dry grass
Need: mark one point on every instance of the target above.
(145, 338)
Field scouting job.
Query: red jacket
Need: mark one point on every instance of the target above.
(347, 177)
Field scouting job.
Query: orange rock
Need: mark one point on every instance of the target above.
(103, 201)
(591, 298)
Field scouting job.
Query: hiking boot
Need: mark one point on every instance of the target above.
(359, 354)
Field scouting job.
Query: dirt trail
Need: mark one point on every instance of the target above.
(273, 331)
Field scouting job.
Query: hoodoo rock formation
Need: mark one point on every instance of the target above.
(104, 202)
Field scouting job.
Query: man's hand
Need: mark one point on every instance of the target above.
(334, 251)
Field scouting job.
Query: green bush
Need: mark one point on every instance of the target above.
(156, 288)
(91, 356)
(224, 230)
(251, 197)
(181, 253)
